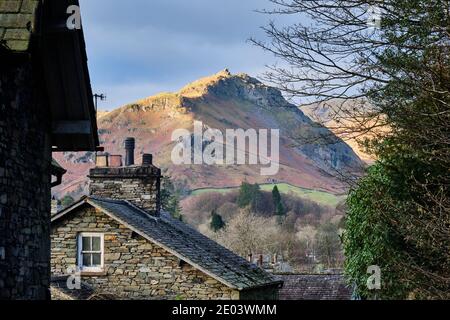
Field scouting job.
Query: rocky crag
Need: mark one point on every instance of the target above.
(311, 156)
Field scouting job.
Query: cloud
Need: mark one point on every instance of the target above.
(140, 46)
(119, 94)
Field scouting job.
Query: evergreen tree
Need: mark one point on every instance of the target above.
(245, 195)
(170, 198)
(398, 74)
(249, 195)
(217, 222)
(280, 211)
(277, 203)
(66, 201)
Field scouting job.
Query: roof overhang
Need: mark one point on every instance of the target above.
(66, 74)
(38, 29)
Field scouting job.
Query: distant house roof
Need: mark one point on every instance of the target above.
(37, 29)
(314, 287)
(183, 242)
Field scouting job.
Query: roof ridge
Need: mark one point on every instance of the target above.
(308, 274)
(106, 199)
(129, 203)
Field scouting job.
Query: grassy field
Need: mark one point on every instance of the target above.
(320, 197)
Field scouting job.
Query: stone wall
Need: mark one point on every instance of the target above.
(134, 267)
(139, 185)
(25, 158)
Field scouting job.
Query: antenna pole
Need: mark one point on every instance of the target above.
(101, 96)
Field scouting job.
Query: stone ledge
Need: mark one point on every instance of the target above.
(125, 172)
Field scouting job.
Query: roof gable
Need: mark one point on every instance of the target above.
(183, 242)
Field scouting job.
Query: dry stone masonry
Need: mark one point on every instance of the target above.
(147, 253)
(134, 267)
(137, 184)
(25, 160)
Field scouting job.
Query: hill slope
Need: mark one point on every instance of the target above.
(351, 120)
(222, 101)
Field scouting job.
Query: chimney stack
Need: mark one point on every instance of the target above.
(129, 151)
(139, 184)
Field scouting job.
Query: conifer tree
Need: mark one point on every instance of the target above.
(217, 222)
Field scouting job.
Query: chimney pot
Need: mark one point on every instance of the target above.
(115, 161)
(130, 144)
(147, 159)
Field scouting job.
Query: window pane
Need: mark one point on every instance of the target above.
(86, 244)
(96, 259)
(96, 244)
(87, 260)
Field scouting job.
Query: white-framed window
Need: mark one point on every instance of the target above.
(90, 252)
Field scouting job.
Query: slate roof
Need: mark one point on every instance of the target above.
(314, 287)
(17, 21)
(184, 242)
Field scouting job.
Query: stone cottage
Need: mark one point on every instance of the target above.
(45, 105)
(123, 245)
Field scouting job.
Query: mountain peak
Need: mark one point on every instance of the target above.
(225, 85)
(200, 87)
(227, 101)
(225, 73)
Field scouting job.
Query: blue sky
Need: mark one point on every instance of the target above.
(138, 48)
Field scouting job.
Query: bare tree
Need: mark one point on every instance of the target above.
(247, 233)
(390, 80)
(333, 56)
